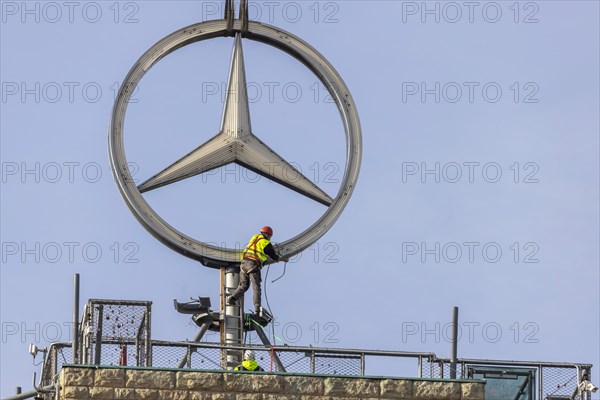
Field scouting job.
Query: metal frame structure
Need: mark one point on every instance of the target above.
(441, 368)
(93, 333)
(551, 380)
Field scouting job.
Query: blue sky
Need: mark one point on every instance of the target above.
(478, 188)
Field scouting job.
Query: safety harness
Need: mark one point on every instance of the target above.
(252, 248)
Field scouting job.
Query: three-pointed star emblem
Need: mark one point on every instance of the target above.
(235, 143)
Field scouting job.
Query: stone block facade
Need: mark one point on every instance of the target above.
(106, 383)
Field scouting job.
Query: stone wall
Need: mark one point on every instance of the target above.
(87, 383)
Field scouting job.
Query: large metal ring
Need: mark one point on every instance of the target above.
(210, 255)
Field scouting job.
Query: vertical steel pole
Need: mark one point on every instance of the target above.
(98, 338)
(232, 326)
(540, 383)
(188, 357)
(430, 366)
(454, 343)
(362, 363)
(75, 332)
(148, 337)
(222, 301)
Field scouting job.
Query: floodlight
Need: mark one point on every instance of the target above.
(33, 349)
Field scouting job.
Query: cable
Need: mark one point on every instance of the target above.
(273, 281)
(284, 269)
(266, 283)
(267, 296)
(267, 300)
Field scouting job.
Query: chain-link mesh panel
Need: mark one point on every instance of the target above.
(294, 361)
(116, 332)
(334, 364)
(434, 369)
(143, 341)
(196, 356)
(192, 356)
(120, 320)
(206, 359)
(313, 362)
(558, 382)
(123, 354)
(169, 356)
(426, 369)
(58, 355)
(459, 371)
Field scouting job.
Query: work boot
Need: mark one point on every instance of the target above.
(231, 301)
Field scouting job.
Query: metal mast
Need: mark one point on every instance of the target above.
(235, 124)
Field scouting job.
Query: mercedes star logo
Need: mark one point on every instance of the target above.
(235, 142)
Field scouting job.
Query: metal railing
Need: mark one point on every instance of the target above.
(553, 380)
(303, 360)
(207, 356)
(58, 354)
(118, 333)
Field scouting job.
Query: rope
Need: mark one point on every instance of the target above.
(277, 338)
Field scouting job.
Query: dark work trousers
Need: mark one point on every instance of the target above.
(249, 271)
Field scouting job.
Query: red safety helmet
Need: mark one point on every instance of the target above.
(267, 230)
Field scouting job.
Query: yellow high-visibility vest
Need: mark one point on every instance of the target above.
(256, 249)
(249, 365)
